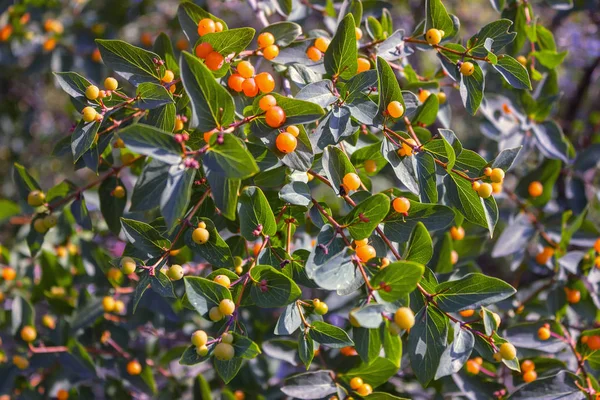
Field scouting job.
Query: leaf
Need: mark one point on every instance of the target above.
(497, 31)
(375, 374)
(435, 217)
(162, 285)
(562, 385)
(426, 343)
(111, 206)
(175, 197)
(204, 294)
(215, 251)
(513, 72)
(310, 385)
(306, 349)
(297, 112)
(83, 137)
(342, 54)
(8, 209)
(552, 141)
(229, 41)
(329, 335)
(368, 316)
(280, 290)
(227, 370)
(144, 237)
(465, 199)
(296, 193)
(255, 212)
(420, 246)
(401, 277)
(472, 291)
(457, 354)
(189, 14)
(389, 89)
(74, 85)
(289, 320)
(505, 159)
(134, 64)
(336, 165)
(162, 117)
(367, 215)
(149, 186)
(524, 336)
(229, 159)
(320, 93)
(81, 214)
(152, 142)
(224, 193)
(212, 104)
(25, 183)
(285, 32)
(471, 89)
(426, 114)
(367, 343)
(518, 231)
(152, 95)
(548, 58)
(437, 17)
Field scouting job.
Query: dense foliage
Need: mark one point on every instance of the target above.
(289, 213)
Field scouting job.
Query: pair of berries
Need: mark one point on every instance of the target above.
(286, 142)
(213, 59)
(364, 251)
(544, 332)
(207, 25)
(434, 37)
(401, 205)
(483, 189)
(321, 307)
(200, 235)
(274, 116)
(266, 42)
(362, 388)
(573, 295)
(245, 81)
(109, 305)
(316, 51)
(42, 224)
(226, 307)
(496, 175)
(474, 365)
(528, 369)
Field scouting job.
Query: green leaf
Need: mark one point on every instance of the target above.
(189, 14)
(552, 141)
(227, 370)
(420, 246)
(367, 343)
(255, 211)
(285, 32)
(375, 374)
(152, 95)
(424, 166)
(513, 72)
(175, 197)
(224, 193)
(398, 279)
(229, 41)
(389, 88)
(336, 165)
(457, 354)
(306, 350)
(549, 59)
(152, 142)
(201, 387)
(310, 385)
(427, 342)
(278, 291)
(130, 62)
(144, 237)
(163, 47)
(215, 251)
(437, 17)
(471, 89)
(465, 199)
(25, 183)
(471, 291)
(111, 206)
(497, 31)
(342, 54)
(83, 138)
(367, 215)
(230, 159)
(329, 335)
(562, 385)
(162, 117)
(74, 85)
(162, 285)
(297, 112)
(435, 217)
(212, 104)
(8, 209)
(204, 294)
(426, 114)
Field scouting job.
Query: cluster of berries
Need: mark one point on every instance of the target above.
(245, 81)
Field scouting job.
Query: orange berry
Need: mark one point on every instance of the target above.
(322, 43)
(218, 27)
(146, 39)
(356, 382)
(365, 390)
(597, 245)
(267, 102)
(365, 253)
(265, 82)
(28, 333)
(205, 26)
(245, 69)
(361, 242)
(270, 52)
(348, 351)
(593, 342)
(535, 189)
(265, 39)
(573, 296)
(8, 274)
(370, 166)
(49, 44)
(286, 142)
(173, 88)
(207, 136)
(401, 205)
(473, 367)
(395, 109)
(351, 181)
(313, 53)
(235, 82)
(134, 367)
(62, 394)
(530, 376)
(203, 50)
(454, 257)
(424, 95)
(214, 61)
(457, 232)
(544, 333)
(527, 365)
(182, 44)
(250, 87)
(293, 129)
(466, 313)
(6, 32)
(363, 65)
(256, 249)
(275, 117)
(96, 57)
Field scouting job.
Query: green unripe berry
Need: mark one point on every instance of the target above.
(321, 308)
(50, 221)
(175, 272)
(36, 198)
(214, 314)
(128, 265)
(227, 337)
(39, 226)
(224, 352)
(238, 261)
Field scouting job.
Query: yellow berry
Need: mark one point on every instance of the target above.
(395, 109)
(365, 390)
(404, 318)
(119, 192)
(36, 198)
(322, 44)
(453, 257)
(224, 351)
(293, 129)
(92, 92)
(321, 308)
(522, 60)
(128, 265)
(215, 314)
(89, 114)
(226, 307)
(433, 36)
(508, 351)
(199, 338)
(365, 253)
(313, 53)
(175, 272)
(111, 83)
(358, 33)
(20, 362)
(544, 333)
(50, 221)
(401, 205)
(351, 181)
(168, 76)
(223, 280)
(370, 166)
(485, 190)
(28, 333)
(200, 235)
(441, 97)
(49, 321)
(356, 382)
(227, 337)
(424, 95)
(245, 69)
(202, 350)
(497, 175)
(39, 226)
(108, 304)
(467, 68)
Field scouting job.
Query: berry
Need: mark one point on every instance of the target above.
(313, 53)
(203, 50)
(134, 367)
(62, 394)
(365, 253)
(39, 226)
(404, 318)
(128, 265)
(265, 39)
(214, 61)
(218, 27)
(457, 233)
(178, 124)
(370, 166)
(544, 256)
(321, 308)
(530, 376)
(214, 314)
(271, 52)
(573, 296)
(441, 97)
(89, 114)
(508, 351)
(544, 333)
(453, 257)
(351, 181)
(593, 342)
(245, 69)
(356, 382)
(275, 117)
(49, 45)
(407, 148)
(497, 357)
(293, 129)
(49, 321)
(267, 102)
(238, 261)
(119, 192)
(473, 367)
(175, 272)
(227, 337)
(527, 365)
(395, 109)
(8, 274)
(235, 82)
(119, 307)
(496, 188)
(20, 362)
(168, 76)
(401, 205)
(433, 36)
(348, 351)
(28, 333)
(250, 87)
(36, 198)
(200, 235)
(223, 280)
(202, 350)
(199, 338)
(358, 33)
(467, 68)
(224, 351)
(265, 82)
(365, 390)
(206, 25)
(362, 242)
(92, 92)
(108, 304)
(226, 307)
(497, 175)
(475, 185)
(535, 189)
(111, 83)
(466, 313)
(522, 60)
(597, 245)
(322, 43)
(385, 262)
(485, 190)
(424, 95)
(363, 65)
